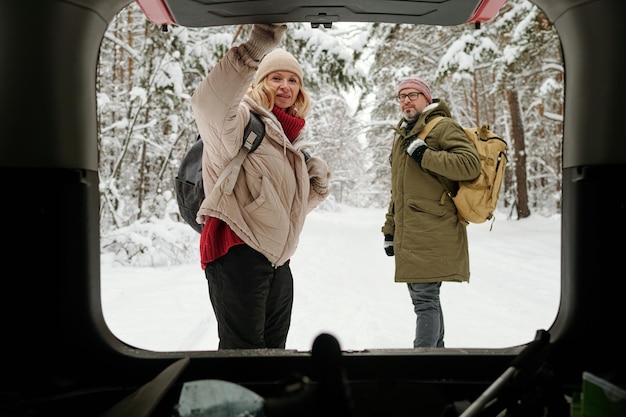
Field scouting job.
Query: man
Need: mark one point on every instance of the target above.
(422, 229)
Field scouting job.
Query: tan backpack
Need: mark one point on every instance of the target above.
(476, 200)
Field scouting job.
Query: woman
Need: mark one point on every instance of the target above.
(250, 234)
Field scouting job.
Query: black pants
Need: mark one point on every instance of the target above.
(251, 299)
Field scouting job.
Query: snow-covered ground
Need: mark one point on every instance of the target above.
(344, 286)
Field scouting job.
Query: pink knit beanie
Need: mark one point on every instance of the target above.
(417, 83)
(278, 60)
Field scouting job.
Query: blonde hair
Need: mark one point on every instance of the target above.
(263, 95)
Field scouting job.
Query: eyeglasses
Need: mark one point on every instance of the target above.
(412, 96)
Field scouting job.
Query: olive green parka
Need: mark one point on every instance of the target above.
(430, 243)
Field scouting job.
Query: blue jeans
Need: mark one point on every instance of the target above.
(429, 327)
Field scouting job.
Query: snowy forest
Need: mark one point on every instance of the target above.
(507, 73)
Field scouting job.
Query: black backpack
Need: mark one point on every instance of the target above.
(188, 182)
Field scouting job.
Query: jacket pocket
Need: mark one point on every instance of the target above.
(266, 209)
(427, 206)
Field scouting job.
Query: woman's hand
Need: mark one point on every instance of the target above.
(264, 38)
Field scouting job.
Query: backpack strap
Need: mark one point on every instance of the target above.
(422, 135)
(429, 126)
(252, 138)
(253, 133)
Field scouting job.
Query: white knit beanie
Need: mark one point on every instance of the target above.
(278, 60)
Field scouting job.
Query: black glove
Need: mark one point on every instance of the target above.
(388, 245)
(416, 150)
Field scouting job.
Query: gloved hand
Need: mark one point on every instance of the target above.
(264, 38)
(416, 150)
(388, 245)
(319, 175)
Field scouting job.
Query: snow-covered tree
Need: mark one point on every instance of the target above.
(508, 73)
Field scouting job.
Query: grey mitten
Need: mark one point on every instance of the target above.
(319, 174)
(264, 38)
